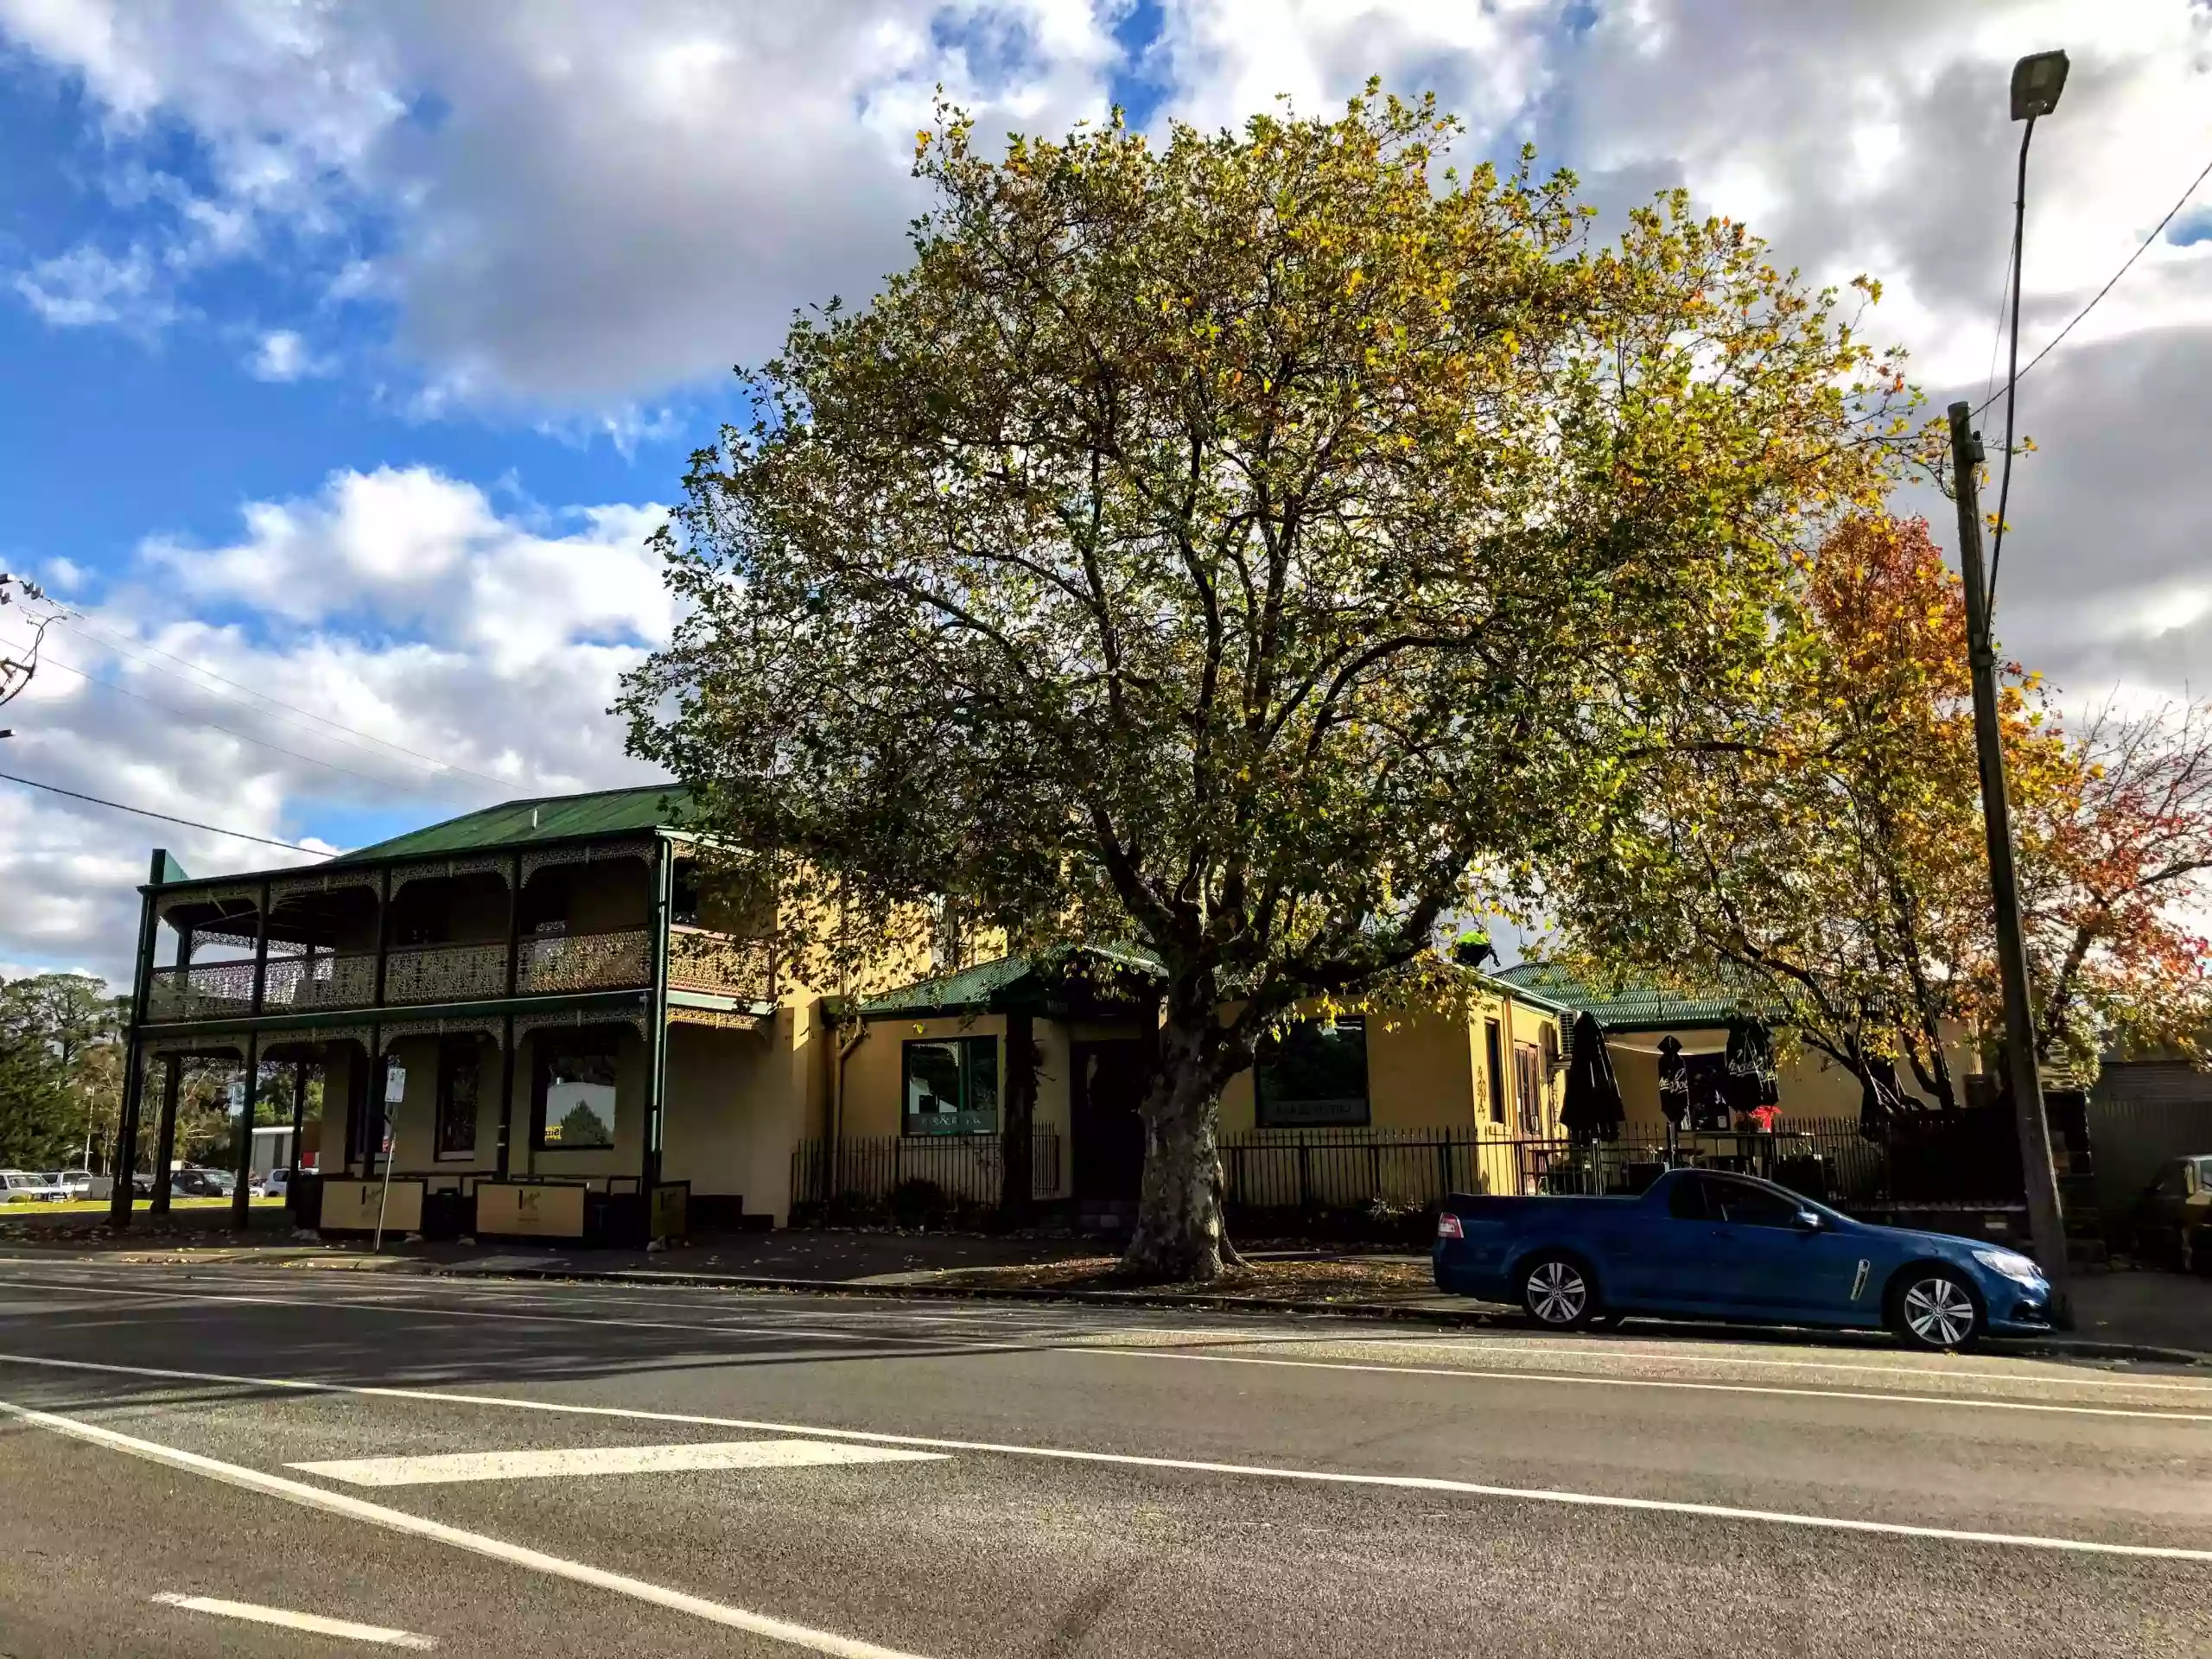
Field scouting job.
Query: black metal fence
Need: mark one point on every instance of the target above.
(966, 1168)
(1333, 1169)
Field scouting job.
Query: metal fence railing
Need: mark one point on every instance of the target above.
(1341, 1168)
(966, 1168)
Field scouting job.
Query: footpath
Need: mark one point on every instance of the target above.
(2119, 1314)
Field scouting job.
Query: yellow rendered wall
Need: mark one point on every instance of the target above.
(337, 1089)
(873, 1073)
(413, 1146)
(717, 1081)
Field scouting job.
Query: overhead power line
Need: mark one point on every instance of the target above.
(2179, 203)
(52, 661)
(85, 624)
(143, 812)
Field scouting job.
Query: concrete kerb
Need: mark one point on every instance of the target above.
(1450, 1318)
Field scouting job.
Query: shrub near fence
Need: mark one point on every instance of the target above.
(966, 1168)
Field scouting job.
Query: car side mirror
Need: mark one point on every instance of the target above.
(1808, 1221)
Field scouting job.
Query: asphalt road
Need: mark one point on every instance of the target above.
(507, 1468)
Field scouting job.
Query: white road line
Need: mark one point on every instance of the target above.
(437, 1468)
(1604, 1349)
(356, 1509)
(1129, 1460)
(316, 1624)
(1965, 1401)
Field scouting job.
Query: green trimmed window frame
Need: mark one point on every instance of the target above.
(948, 1085)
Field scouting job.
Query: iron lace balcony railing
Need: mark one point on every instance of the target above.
(719, 965)
(583, 962)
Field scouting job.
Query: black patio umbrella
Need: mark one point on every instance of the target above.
(1750, 1065)
(1592, 1110)
(1674, 1081)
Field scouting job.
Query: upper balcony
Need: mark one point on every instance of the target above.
(478, 930)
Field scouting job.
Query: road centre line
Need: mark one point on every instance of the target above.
(357, 1509)
(1963, 1401)
(314, 1623)
(1072, 1343)
(1129, 1459)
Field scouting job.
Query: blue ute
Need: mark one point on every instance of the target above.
(1700, 1244)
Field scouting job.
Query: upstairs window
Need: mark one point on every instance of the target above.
(950, 1085)
(1314, 1075)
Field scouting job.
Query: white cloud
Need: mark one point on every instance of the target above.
(580, 204)
(572, 207)
(283, 354)
(1231, 59)
(400, 649)
(85, 287)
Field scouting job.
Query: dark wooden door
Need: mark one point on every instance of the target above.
(1108, 1137)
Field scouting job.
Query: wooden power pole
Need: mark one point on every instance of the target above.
(2046, 1224)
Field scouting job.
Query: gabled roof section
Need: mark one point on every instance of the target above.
(1009, 981)
(1636, 1008)
(551, 817)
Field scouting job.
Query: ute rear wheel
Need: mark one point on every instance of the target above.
(1557, 1292)
(1934, 1308)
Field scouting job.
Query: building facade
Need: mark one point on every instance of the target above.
(524, 1023)
(528, 1021)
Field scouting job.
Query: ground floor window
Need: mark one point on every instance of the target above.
(1528, 1086)
(1313, 1074)
(458, 1080)
(950, 1086)
(573, 1089)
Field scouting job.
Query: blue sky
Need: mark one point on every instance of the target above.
(349, 352)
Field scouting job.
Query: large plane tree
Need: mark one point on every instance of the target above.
(1249, 549)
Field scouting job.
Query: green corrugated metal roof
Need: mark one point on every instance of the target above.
(1649, 1007)
(552, 817)
(972, 989)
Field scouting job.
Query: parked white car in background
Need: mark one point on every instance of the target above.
(274, 1184)
(29, 1186)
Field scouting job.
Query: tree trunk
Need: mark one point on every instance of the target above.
(1021, 1061)
(1178, 1237)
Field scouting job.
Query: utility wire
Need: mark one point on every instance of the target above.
(2180, 202)
(2012, 372)
(52, 661)
(85, 624)
(212, 830)
(1997, 333)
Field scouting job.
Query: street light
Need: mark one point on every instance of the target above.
(2036, 82)
(2038, 79)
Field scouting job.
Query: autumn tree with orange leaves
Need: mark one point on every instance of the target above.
(1833, 870)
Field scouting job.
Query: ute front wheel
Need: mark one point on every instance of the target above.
(1557, 1292)
(1933, 1308)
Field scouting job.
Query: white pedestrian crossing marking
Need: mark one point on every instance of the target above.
(344, 1628)
(436, 1468)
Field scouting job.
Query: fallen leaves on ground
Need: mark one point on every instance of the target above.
(1325, 1280)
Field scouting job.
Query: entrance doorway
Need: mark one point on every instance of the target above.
(1107, 1135)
